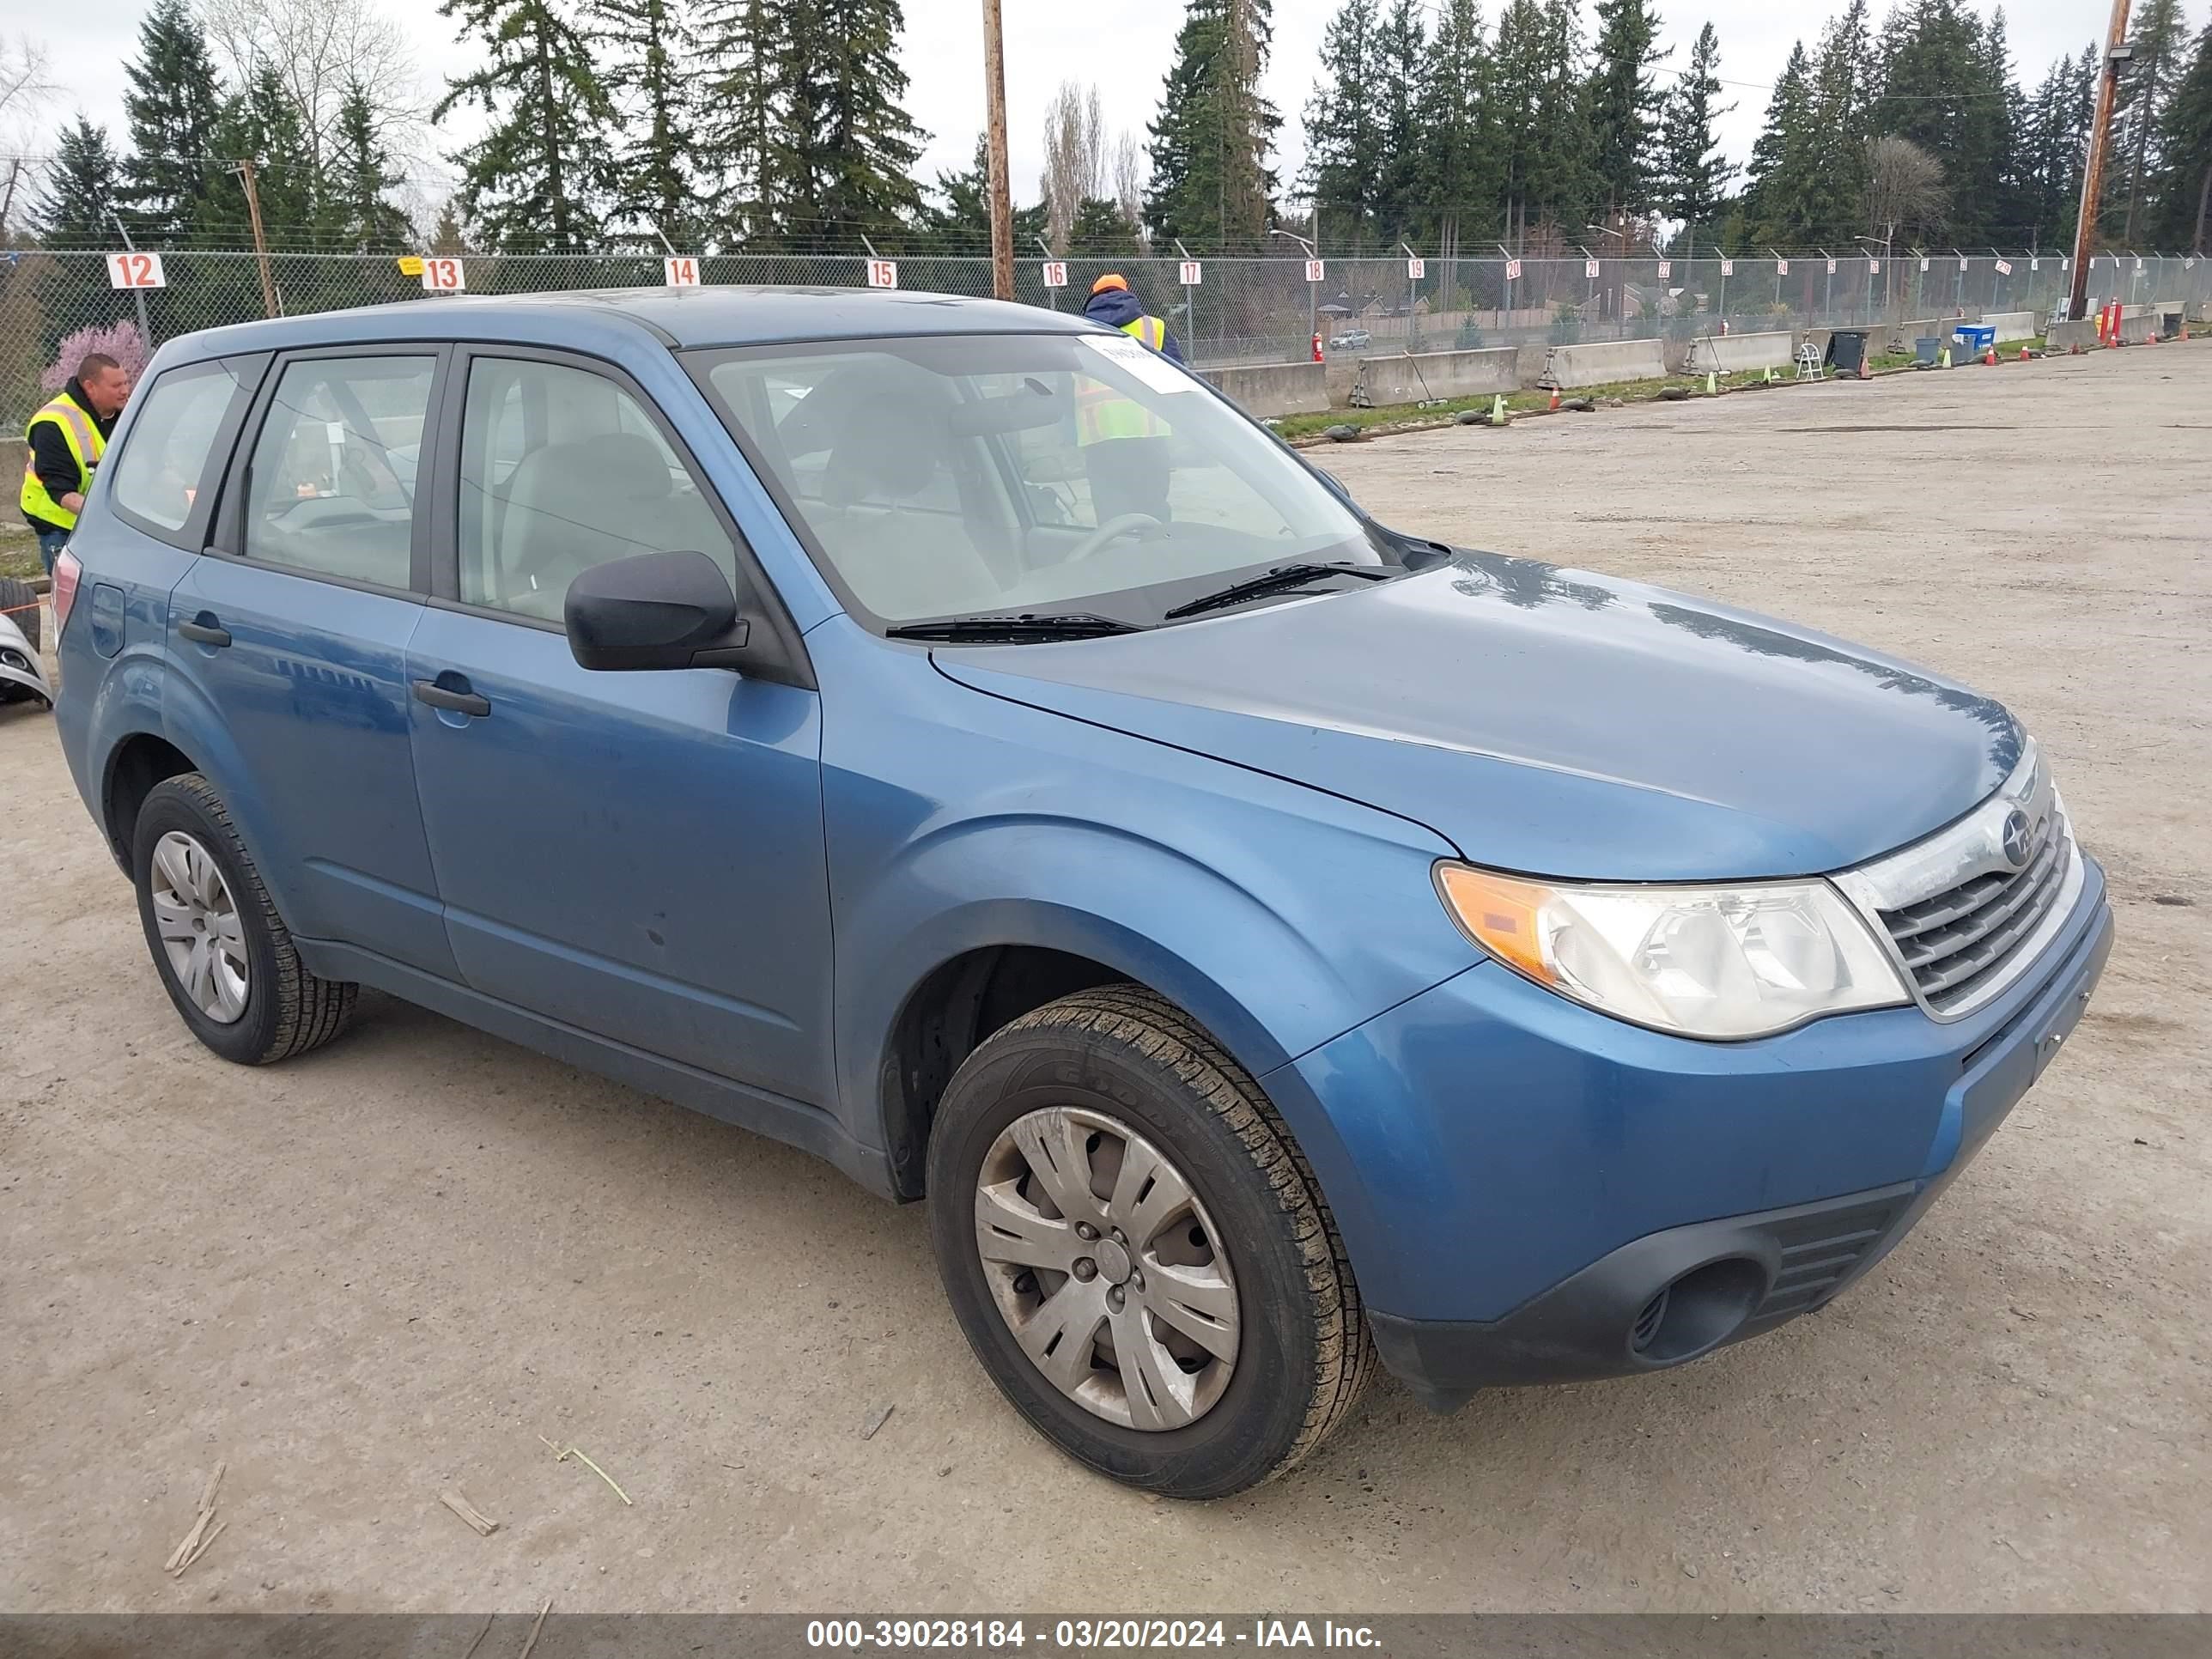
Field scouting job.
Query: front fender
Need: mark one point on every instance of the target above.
(1274, 914)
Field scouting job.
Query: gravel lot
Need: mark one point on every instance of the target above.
(391, 1267)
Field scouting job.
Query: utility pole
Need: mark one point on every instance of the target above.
(245, 170)
(2092, 165)
(1002, 199)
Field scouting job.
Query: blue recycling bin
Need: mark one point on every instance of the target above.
(1977, 338)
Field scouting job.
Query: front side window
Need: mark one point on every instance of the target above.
(332, 487)
(561, 469)
(957, 475)
(161, 469)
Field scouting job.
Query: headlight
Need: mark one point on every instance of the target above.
(1705, 960)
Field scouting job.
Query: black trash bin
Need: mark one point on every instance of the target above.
(1847, 350)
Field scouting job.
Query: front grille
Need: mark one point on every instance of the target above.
(1819, 1252)
(1956, 941)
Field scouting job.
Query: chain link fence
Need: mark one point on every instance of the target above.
(1239, 310)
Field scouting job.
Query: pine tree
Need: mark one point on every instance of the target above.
(1784, 191)
(81, 187)
(359, 178)
(1459, 182)
(1843, 81)
(745, 61)
(1994, 123)
(1211, 181)
(854, 144)
(2185, 192)
(1544, 156)
(960, 221)
(1100, 231)
(1625, 103)
(2146, 84)
(1401, 47)
(1694, 175)
(651, 53)
(536, 181)
(261, 124)
(171, 103)
(1343, 120)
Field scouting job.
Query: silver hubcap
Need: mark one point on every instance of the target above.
(1106, 1268)
(198, 923)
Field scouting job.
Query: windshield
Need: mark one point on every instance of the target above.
(957, 475)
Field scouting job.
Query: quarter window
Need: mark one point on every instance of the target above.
(164, 467)
(562, 470)
(332, 487)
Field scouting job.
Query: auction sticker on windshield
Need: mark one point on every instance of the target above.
(1141, 360)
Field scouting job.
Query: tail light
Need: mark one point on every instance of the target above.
(67, 572)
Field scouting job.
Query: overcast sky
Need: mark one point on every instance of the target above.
(1124, 47)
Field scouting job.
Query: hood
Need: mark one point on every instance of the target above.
(1550, 721)
(1116, 308)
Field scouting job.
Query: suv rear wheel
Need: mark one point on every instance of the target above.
(224, 953)
(1136, 1250)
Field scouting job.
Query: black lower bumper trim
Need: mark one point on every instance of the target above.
(1657, 1300)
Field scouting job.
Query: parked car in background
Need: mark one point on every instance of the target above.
(1349, 339)
(1271, 942)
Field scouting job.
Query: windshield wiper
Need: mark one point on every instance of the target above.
(1282, 578)
(1074, 625)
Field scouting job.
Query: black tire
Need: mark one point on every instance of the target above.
(287, 1009)
(20, 603)
(1304, 1353)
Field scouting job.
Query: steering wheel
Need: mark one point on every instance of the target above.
(1122, 524)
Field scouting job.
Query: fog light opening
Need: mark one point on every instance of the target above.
(1698, 1311)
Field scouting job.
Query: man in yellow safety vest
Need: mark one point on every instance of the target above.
(63, 443)
(1125, 450)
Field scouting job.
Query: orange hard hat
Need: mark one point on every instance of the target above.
(1111, 279)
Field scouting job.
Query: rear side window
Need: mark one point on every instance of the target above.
(161, 469)
(332, 486)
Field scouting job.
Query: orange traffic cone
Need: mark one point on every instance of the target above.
(1865, 373)
(2023, 354)
(1555, 400)
(1990, 360)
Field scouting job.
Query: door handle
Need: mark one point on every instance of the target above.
(461, 702)
(204, 630)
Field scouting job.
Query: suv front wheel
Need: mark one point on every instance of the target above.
(224, 954)
(1136, 1250)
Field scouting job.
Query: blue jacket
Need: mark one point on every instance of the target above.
(1118, 307)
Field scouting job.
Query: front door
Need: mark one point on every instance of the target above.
(639, 855)
(294, 628)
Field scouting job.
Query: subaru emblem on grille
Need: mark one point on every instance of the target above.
(2019, 841)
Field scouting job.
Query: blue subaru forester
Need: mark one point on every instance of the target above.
(947, 737)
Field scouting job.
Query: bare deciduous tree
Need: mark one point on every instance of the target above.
(1074, 157)
(1129, 171)
(319, 48)
(1904, 189)
(26, 83)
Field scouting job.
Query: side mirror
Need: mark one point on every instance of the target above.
(656, 611)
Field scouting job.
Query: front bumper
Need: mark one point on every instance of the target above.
(1541, 1194)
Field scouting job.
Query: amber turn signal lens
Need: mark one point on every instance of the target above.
(1500, 913)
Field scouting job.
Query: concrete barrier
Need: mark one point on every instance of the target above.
(1265, 390)
(1604, 362)
(1734, 354)
(1884, 339)
(2064, 336)
(2012, 324)
(1410, 380)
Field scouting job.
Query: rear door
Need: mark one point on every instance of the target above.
(294, 627)
(639, 855)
